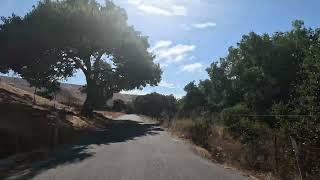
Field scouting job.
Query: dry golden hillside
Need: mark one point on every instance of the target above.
(25, 126)
(70, 94)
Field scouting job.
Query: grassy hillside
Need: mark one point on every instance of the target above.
(25, 126)
(69, 94)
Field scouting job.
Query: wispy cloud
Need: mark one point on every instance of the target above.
(166, 84)
(161, 44)
(195, 67)
(143, 92)
(203, 25)
(135, 92)
(167, 53)
(164, 8)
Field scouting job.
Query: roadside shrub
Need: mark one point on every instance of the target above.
(119, 105)
(200, 133)
(156, 105)
(236, 118)
(224, 148)
(254, 133)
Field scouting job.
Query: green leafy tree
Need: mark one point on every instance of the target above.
(266, 90)
(261, 70)
(302, 122)
(81, 35)
(306, 99)
(194, 100)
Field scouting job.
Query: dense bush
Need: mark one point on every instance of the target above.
(120, 106)
(200, 133)
(156, 105)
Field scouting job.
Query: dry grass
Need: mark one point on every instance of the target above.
(25, 97)
(180, 127)
(69, 94)
(78, 122)
(222, 148)
(25, 126)
(110, 115)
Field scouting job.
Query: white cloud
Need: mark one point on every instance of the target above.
(142, 92)
(166, 84)
(164, 8)
(198, 26)
(179, 96)
(167, 53)
(192, 67)
(161, 44)
(134, 92)
(204, 25)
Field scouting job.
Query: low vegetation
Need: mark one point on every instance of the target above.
(156, 105)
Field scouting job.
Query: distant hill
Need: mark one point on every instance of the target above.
(69, 94)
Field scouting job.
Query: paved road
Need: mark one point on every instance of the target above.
(129, 149)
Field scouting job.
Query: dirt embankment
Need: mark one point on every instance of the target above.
(30, 130)
(26, 126)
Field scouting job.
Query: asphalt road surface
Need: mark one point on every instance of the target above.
(129, 149)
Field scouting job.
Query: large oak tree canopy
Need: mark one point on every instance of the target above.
(62, 36)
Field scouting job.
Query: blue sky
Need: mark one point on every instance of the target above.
(188, 35)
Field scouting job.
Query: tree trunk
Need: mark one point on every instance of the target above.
(34, 95)
(276, 156)
(54, 100)
(88, 107)
(88, 104)
(297, 155)
(17, 144)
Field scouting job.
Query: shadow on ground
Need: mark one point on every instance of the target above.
(113, 132)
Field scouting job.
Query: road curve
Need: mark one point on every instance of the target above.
(128, 149)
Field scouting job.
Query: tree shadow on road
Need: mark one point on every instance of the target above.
(116, 131)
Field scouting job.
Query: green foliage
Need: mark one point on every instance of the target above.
(267, 84)
(50, 90)
(194, 99)
(242, 123)
(305, 128)
(45, 76)
(71, 35)
(156, 105)
(232, 116)
(262, 70)
(119, 105)
(304, 101)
